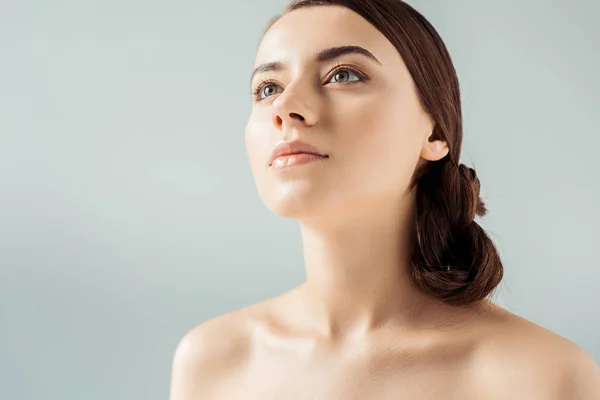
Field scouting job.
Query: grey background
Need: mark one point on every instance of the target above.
(128, 213)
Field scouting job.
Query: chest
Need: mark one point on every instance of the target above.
(347, 378)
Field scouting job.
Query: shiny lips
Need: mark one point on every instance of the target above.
(294, 147)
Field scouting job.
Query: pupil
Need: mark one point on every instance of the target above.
(340, 76)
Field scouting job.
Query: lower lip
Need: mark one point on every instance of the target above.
(295, 159)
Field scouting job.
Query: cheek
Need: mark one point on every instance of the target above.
(258, 144)
(385, 136)
(383, 145)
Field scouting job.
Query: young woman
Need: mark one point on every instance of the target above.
(356, 132)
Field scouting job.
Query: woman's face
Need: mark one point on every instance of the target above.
(360, 111)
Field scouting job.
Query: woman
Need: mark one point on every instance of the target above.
(356, 132)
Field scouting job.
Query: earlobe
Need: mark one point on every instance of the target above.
(434, 151)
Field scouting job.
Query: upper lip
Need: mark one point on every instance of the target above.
(293, 147)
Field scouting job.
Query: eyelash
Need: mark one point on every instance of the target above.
(256, 93)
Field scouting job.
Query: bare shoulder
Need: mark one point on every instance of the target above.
(516, 356)
(211, 352)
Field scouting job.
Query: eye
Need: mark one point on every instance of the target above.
(265, 89)
(344, 75)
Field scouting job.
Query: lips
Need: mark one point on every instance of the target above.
(283, 149)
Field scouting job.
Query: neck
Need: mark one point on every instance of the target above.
(357, 268)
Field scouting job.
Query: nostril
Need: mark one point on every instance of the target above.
(294, 115)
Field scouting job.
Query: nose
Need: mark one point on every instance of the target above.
(294, 107)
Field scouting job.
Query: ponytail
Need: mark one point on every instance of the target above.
(454, 260)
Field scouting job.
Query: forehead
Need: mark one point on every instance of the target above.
(300, 34)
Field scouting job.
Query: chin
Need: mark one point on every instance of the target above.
(295, 202)
(295, 208)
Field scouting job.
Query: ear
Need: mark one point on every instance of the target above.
(434, 150)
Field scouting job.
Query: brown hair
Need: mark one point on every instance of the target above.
(454, 260)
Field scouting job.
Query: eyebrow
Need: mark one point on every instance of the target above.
(322, 56)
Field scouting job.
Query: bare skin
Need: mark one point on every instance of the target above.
(358, 328)
(260, 352)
